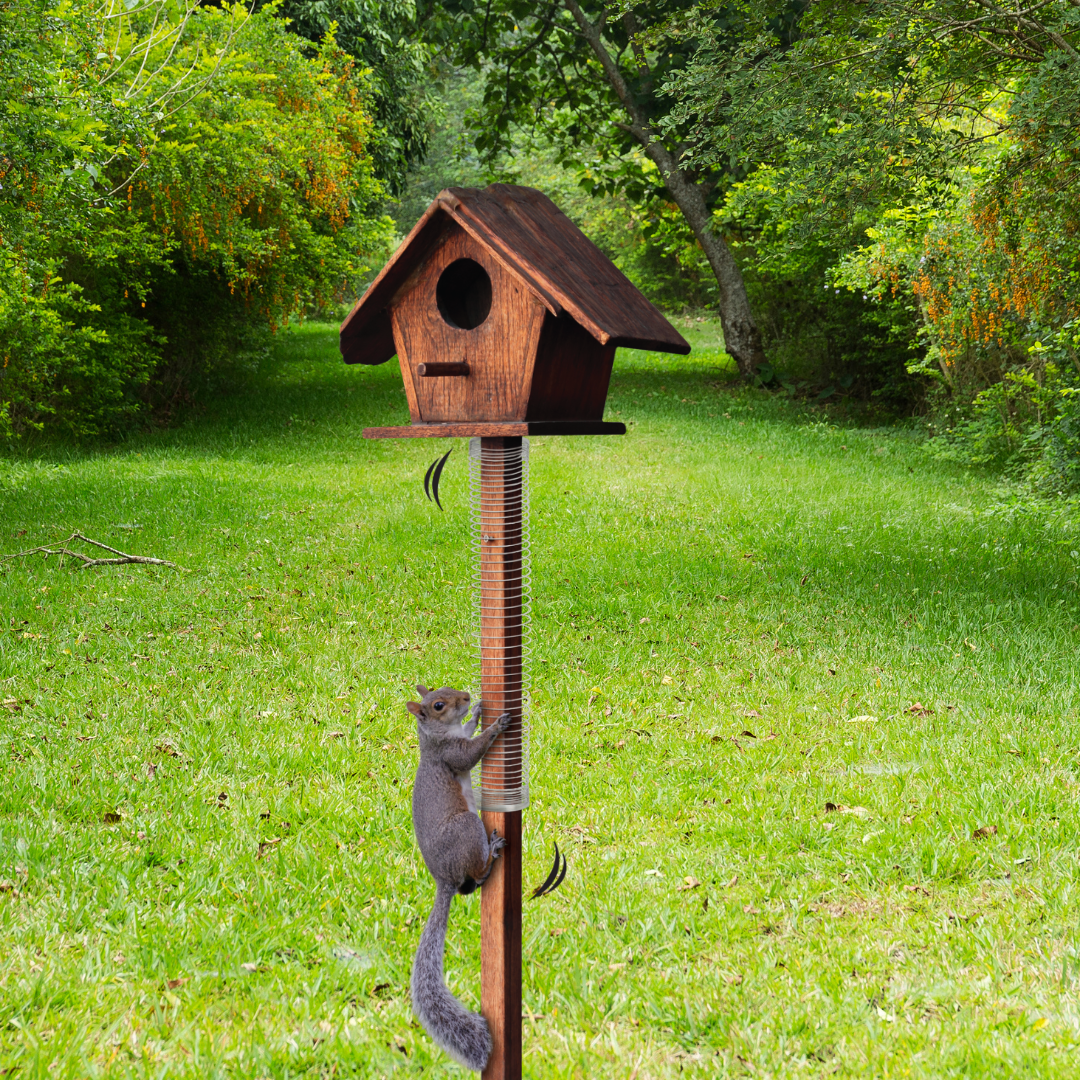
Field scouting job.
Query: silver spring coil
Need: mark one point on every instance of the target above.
(502, 601)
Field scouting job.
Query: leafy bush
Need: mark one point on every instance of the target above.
(821, 340)
(177, 182)
(992, 272)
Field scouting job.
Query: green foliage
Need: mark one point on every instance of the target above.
(450, 159)
(822, 341)
(921, 158)
(66, 353)
(539, 77)
(857, 104)
(993, 279)
(383, 36)
(1027, 422)
(648, 239)
(175, 181)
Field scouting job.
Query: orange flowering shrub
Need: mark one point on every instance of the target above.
(176, 182)
(994, 271)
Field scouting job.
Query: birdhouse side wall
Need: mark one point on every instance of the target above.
(498, 351)
(571, 373)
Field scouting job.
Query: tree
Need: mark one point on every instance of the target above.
(951, 130)
(174, 181)
(857, 104)
(590, 76)
(382, 35)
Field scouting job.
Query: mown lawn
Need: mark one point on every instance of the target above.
(746, 613)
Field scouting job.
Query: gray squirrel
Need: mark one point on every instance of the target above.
(458, 853)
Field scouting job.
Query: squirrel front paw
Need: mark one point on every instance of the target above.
(503, 722)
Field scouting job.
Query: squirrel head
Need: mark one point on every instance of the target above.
(444, 707)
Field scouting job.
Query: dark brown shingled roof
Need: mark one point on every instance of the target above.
(537, 242)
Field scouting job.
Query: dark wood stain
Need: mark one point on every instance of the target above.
(497, 351)
(469, 429)
(502, 691)
(570, 373)
(526, 235)
(442, 371)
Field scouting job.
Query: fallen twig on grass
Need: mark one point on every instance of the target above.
(88, 560)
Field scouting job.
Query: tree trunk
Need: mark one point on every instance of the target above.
(742, 339)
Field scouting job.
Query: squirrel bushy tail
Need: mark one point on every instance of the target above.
(462, 1034)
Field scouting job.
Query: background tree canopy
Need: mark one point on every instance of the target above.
(382, 36)
(934, 147)
(177, 181)
(875, 196)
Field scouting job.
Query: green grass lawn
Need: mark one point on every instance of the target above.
(804, 718)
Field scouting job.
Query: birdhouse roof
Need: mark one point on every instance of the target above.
(533, 239)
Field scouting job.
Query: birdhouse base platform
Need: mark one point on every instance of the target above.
(497, 429)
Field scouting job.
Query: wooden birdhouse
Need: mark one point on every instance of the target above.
(504, 317)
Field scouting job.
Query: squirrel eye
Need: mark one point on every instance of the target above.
(438, 706)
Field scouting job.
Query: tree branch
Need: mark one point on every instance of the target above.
(87, 560)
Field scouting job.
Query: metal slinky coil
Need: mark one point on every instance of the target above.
(502, 599)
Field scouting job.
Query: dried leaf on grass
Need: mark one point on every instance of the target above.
(983, 832)
(840, 808)
(265, 846)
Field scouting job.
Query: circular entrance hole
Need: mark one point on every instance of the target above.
(464, 294)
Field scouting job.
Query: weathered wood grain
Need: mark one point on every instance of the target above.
(497, 351)
(502, 691)
(366, 336)
(467, 429)
(528, 237)
(569, 373)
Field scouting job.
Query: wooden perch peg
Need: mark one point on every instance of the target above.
(439, 371)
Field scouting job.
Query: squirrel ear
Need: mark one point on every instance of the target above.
(414, 708)
(421, 689)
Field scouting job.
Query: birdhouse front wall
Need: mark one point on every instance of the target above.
(500, 350)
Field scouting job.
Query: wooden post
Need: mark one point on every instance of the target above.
(502, 691)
